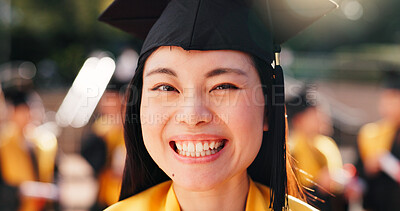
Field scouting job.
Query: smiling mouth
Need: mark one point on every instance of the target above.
(198, 148)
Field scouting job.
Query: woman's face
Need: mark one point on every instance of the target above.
(389, 105)
(202, 114)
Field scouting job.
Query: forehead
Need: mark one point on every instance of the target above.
(176, 57)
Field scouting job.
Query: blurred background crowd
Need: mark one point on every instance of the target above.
(63, 75)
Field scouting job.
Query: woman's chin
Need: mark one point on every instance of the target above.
(197, 183)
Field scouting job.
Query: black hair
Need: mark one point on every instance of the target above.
(268, 168)
(16, 97)
(298, 104)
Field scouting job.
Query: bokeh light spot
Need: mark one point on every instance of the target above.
(353, 10)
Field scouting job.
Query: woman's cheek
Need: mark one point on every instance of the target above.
(241, 118)
(246, 120)
(155, 105)
(247, 109)
(153, 116)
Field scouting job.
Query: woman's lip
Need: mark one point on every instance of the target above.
(198, 160)
(196, 137)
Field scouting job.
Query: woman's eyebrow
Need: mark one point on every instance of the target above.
(212, 73)
(220, 71)
(162, 70)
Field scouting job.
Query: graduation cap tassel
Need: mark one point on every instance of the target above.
(278, 178)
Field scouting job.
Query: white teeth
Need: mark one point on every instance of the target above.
(206, 146)
(197, 154)
(179, 146)
(190, 147)
(199, 147)
(212, 145)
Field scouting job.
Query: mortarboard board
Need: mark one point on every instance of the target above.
(231, 20)
(257, 27)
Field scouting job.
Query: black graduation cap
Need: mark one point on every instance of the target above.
(248, 25)
(257, 27)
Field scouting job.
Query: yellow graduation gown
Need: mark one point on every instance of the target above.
(314, 155)
(162, 198)
(113, 135)
(376, 139)
(16, 164)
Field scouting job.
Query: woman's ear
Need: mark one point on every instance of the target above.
(265, 128)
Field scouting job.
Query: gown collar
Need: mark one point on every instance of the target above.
(257, 198)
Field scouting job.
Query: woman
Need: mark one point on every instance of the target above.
(314, 151)
(205, 107)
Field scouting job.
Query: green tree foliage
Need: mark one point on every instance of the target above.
(65, 31)
(378, 22)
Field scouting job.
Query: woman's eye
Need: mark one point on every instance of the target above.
(225, 86)
(164, 87)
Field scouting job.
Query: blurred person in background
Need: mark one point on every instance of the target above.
(3, 108)
(17, 160)
(316, 156)
(103, 147)
(27, 154)
(8, 193)
(379, 146)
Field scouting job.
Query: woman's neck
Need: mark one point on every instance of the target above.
(230, 195)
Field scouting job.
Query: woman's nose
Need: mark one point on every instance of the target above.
(194, 109)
